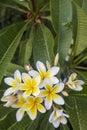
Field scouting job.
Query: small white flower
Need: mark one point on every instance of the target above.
(33, 105)
(13, 82)
(10, 100)
(57, 117)
(73, 83)
(45, 74)
(50, 94)
(30, 85)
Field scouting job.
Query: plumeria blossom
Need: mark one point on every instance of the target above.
(38, 91)
(30, 85)
(73, 83)
(45, 74)
(57, 117)
(13, 82)
(10, 100)
(33, 104)
(51, 94)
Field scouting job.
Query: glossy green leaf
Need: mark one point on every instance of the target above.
(8, 121)
(34, 124)
(43, 44)
(84, 5)
(63, 42)
(4, 111)
(45, 125)
(12, 67)
(61, 12)
(10, 4)
(77, 112)
(9, 40)
(22, 124)
(81, 40)
(64, 127)
(25, 51)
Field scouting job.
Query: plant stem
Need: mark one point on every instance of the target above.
(80, 67)
(33, 5)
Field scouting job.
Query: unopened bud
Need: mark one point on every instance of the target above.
(48, 64)
(28, 67)
(56, 59)
(65, 93)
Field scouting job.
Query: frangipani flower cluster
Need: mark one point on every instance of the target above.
(41, 91)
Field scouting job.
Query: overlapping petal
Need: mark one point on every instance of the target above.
(19, 114)
(17, 76)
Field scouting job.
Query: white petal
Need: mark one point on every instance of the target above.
(63, 120)
(59, 100)
(72, 76)
(41, 85)
(47, 81)
(60, 87)
(80, 82)
(53, 70)
(54, 80)
(32, 113)
(51, 117)
(56, 123)
(33, 73)
(9, 81)
(17, 76)
(48, 104)
(8, 91)
(65, 115)
(8, 104)
(26, 78)
(40, 66)
(79, 88)
(19, 114)
(59, 112)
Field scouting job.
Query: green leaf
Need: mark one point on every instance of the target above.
(81, 40)
(25, 51)
(82, 74)
(11, 4)
(45, 125)
(77, 112)
(64, 127)
(84, 5)
(9, 40)
(63, 42)
(43, 44)
(82, 93)
(4, 112)
(22, 124)
(34, 124)
(61, 12)
(12, 67)
(8, 121)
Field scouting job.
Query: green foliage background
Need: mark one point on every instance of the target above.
(34, 30)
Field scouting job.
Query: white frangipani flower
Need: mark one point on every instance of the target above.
(13, 82)
(10, 100)
(30, 85)
(50, 94)
(57, 117)
(33, 105)
(73, 83)
(45, 74)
